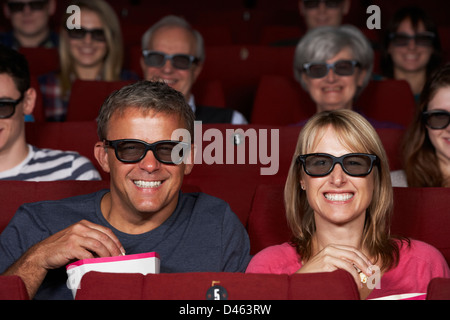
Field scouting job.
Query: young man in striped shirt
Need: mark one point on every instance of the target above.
(18, 159)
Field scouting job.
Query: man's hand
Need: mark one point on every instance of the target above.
(82, 240)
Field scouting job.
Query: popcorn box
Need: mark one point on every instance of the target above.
(143, 263)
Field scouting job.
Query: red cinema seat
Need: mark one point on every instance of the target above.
(41, 60)
(419, 213)
(239, 68)
(15, 193)
(280, 100)
(12, 288)
(423, 214)
(267, 225)
(273, 34)
(439, 289)
(337, 285)
(182, 286)
(224, 177)
(388, 100)
(209, 93)
(87, 97)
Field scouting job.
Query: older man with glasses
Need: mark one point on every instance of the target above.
(30, 24)
(144, 210)
(173, 52)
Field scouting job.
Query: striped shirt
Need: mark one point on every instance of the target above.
(51, 165)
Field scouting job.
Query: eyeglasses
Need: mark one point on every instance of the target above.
(15, 7)
(312, 4)
(132, 150)
(158, 59)
(424, 39)
(319, 70)
(436, 119)
(8, 107)
(353, 164)
(96, 34)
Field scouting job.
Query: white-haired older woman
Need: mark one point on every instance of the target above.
(333, 64)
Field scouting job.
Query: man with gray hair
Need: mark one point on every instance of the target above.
(144, 209)
(174, 52)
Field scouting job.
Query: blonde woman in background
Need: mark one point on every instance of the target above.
(93, 52)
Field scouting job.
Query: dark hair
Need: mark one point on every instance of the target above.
(148, 96)
(416, 15)
(15, 65)
(420, 160)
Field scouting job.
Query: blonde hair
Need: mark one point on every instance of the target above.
(357, 135)
(113, 60)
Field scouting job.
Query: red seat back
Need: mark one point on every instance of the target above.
(41, 60)
(280, 100)
(439, 289)
(196, 286)
(15, 193)
(12, 288)
(423, 214)
(87, 97)
(419, 213)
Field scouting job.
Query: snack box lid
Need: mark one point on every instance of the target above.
(113, 259)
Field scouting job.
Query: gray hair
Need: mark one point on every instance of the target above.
(175, 21)
(323, 43)
(147, 96)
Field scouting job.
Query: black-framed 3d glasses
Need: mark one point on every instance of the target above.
(312, 4)
(436, 119)
(133, 150)
(8, 107)
(96, 34)
(158, 59)
(15, 7)
(353, 164)
(318, 70)
(423, 39)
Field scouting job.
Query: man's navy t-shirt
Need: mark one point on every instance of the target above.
(202, 235)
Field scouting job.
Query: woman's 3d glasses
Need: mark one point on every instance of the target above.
(158, 59)
(132, 150)
(318, 70)
(8, 107)
(96, 34)
(424, 39)
(322, 164)
(436, 119)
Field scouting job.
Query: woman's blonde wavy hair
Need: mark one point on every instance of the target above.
(357, 135)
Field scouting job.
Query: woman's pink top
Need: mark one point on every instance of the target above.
(418, 264)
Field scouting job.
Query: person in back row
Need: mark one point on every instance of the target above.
(144, 210)
(426, 144)
(173, 52)
(19, 160)
(30, 24)
(92, 52)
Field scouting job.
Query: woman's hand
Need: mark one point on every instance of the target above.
(334, 257)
